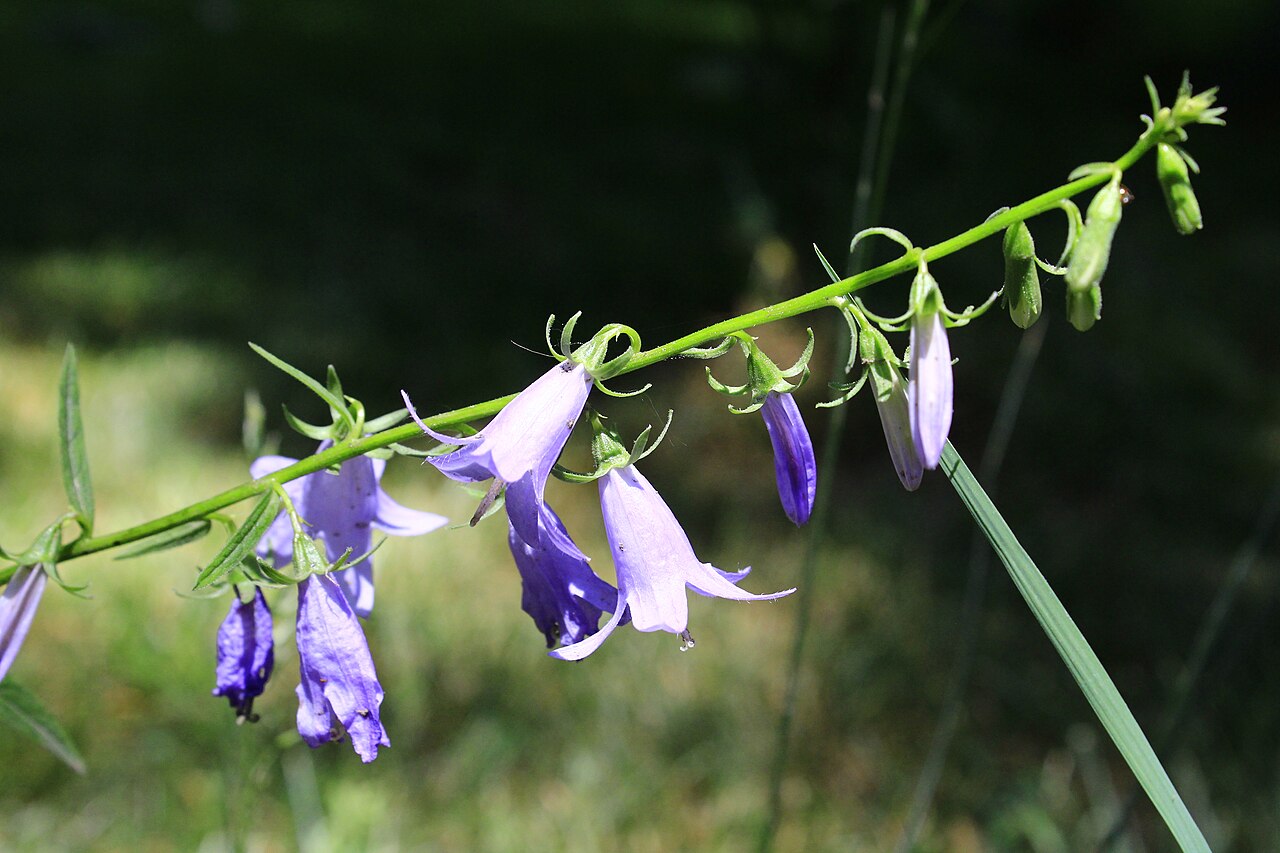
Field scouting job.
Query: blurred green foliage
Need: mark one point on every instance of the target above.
(402, 188)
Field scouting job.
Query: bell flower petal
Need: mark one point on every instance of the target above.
(655, 563)
(522, 442)
(930, 389)
(246, 654)
(895, 418)
(793, 461)
(561, 593)
(338, 682)
(17, 608)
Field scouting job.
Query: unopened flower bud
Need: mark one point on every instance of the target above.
(1090, 255)
(1021, 279)
(1175, 180)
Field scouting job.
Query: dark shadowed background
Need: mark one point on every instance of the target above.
(407, 190)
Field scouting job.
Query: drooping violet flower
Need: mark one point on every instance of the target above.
(895, 419)
(338, 683)
(793, 462)
(17, 608)
(246, 654)
(930, 389)
(520, 445)
(342, 510)
(561, 593)
(655, 563)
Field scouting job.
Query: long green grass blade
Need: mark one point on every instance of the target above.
(1078, 656)
(75, 459)
(22, 711)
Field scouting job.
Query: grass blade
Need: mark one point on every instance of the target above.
(75, 459)
(1075, 651)
(21, 710)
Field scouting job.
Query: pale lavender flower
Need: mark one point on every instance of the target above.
(655, 563)
(793, 462)
(561, 593)
(930, 389)
(17, 608)
(342, 510)
(520, 445)
(245, 654)
(895, 419)
(338, 684)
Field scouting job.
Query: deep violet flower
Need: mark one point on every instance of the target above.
(245, 654)
(930, 390)
(338, 684)
(655, 563)
(521, 444)
(793, 462)
(17, 608)
(561, 593)
(342, 509)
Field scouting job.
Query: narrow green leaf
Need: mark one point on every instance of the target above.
(174, 538)
(22, 711)
(75, 460)
(242, 542)
(1085, 667)
(335, 402)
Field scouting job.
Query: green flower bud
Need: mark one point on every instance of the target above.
(1090, 254)
(1175, 180)
(1021, 279)
(1084, 307)
(1093, 247)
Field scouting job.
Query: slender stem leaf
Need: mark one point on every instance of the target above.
(1085, 667)
(75, 459)
(22, 711)
(174, 538)
(241, 543)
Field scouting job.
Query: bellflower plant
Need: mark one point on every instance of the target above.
(245, 654)
(564, 597)
(338, 682)
(651, 553)
(343, 510)
(520, 446)
(17, 608)
(795, 468)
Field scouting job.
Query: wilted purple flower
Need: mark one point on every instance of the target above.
(338, 678)
(930, 389)
(793, 461)
(521, 444)
(342, 510)
(245, 654)
(655, 563)
(561, 592)
(17, 608)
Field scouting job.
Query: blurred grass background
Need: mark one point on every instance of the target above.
(403, 189)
